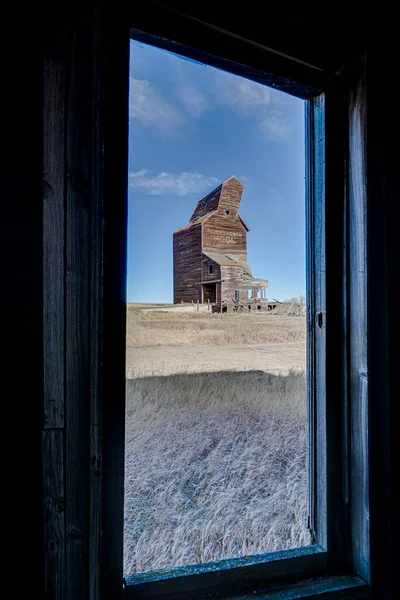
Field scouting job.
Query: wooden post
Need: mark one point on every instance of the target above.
(208, 302)
(197, 305)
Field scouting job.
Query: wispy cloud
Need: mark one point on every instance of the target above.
(152, 110)
(251, 99)
(178, 184)
(275, 126)
(265, 106)
(193, 100)
(242, 94)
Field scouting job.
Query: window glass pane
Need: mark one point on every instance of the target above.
(216, 329)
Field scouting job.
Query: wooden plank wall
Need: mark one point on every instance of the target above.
(53, 434)
(224, 233)
(205, 271)
(358, 323)
(234, 278)
(73, 234)
(54, 89)
(187, 264)
(231, 196)
(77, 256)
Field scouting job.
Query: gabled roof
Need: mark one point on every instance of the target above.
(197, 222)
(208, 205)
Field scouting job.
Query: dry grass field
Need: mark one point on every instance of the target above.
(171, 329)
(215, 460)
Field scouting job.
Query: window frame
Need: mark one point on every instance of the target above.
(325, 148)
(83, 213)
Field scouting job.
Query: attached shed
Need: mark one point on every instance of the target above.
(210, 253)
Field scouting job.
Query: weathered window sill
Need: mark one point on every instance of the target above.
(285, 575)
(341, 587)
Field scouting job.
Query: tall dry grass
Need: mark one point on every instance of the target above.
(149, 329)
(215, 467)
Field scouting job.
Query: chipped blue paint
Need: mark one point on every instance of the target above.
(221, 565)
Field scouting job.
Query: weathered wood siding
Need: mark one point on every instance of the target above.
(216, 270)
(187, 264)
(358, 321)
(84, 250)
(231, 195)
(225, 233)
(222, 231)
(234, 278)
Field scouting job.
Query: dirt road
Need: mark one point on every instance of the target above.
(273, 358)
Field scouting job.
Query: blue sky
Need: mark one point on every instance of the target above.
(192, 126)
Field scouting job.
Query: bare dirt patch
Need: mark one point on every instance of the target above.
(176, 342)
(271, 358)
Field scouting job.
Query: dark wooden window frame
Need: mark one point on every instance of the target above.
(85, 150)
(328, 456)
